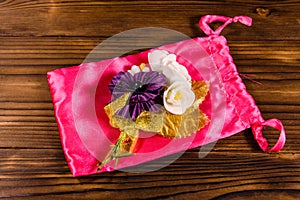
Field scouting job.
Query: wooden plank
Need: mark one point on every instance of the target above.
(213, 173)
(20, 88)
(93, 18)
(52, 53)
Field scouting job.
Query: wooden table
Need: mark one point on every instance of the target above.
(39, 36)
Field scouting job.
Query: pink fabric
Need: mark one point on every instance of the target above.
(207, 19)
(80, 94)
(257, 132)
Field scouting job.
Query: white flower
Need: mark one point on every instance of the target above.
(173, 70)
(162, 61)
(136, 69)
(155, 59)
(178, 97)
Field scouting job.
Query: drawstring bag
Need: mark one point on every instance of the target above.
(128, 110)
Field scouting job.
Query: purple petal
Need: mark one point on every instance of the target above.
(146, 90)
(124, 112)
(121, 83)
(114, 81)
(153, 87)
(150, 78)
(158, 78)
(141, 97)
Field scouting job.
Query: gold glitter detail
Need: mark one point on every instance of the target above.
(129, 141)
(114, 106)
(200, 89)
(150, 121)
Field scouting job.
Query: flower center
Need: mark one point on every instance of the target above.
(138, 84)
(142, 66)
(139, 87)
(177, 96)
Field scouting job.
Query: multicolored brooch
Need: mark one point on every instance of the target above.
(159, 97)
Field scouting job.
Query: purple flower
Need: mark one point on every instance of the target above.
(145, 88)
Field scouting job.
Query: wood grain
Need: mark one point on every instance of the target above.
(40, 36)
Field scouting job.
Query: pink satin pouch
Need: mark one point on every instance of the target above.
(80, 94)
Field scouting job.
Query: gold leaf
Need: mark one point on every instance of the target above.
(189, 122)
(129, 141)
(114, 106)
(203, 120)
(124, 124)
(181, 126)
(200, 89)
(170, 126)
(150, 121)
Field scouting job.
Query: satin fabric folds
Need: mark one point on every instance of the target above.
(80, 93)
